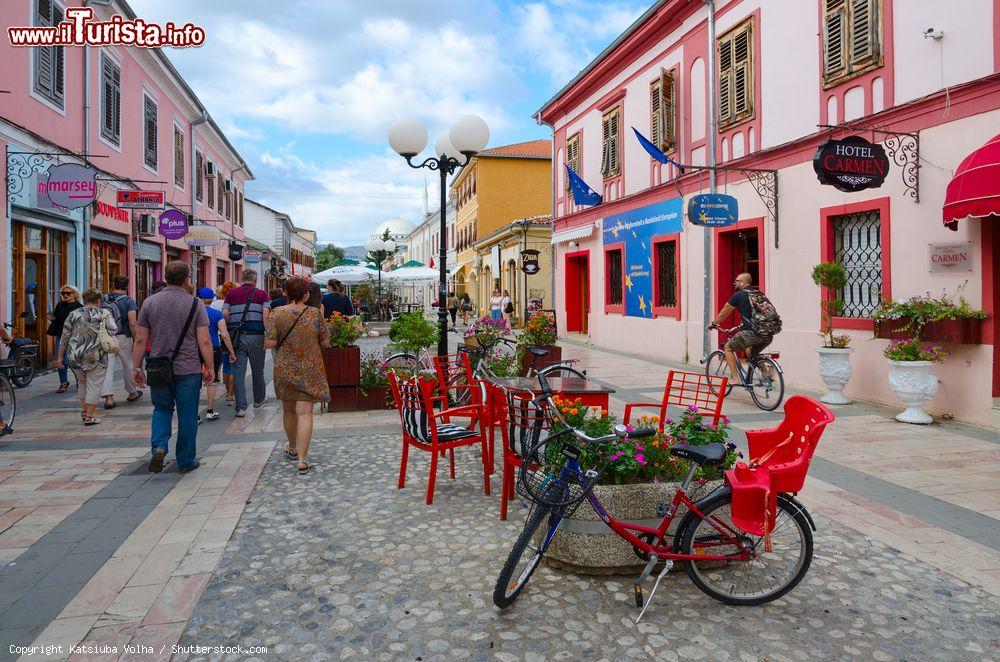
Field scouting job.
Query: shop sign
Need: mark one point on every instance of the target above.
(203, 236)
(235, 251)
(850, 165)
(529, 261)
(173, 224)
(635, 229)
(104, 209)
(951, 257)
(71, 185)
(713, 210)
(251, 256)
(141, 199)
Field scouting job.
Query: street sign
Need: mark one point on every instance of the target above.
(173, 224)
(141, 199)
(235, 251)
(203, 236)
(713, 210)
(529, 261)
(251, 256)
(850, 165)
(71, 185)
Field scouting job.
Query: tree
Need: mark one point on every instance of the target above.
(329, 256)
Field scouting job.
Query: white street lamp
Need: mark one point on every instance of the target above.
(408, 136)
(469, 134)
(443, 147)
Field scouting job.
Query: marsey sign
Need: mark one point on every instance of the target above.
(852, 164)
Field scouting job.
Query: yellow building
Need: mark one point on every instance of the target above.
(503, 253)
(498, 186)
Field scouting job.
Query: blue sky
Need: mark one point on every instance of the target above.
(306, 89)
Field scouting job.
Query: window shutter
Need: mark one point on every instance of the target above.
(117, 98)
(742, 75)
(108, 96)
(614, 141)
(178, 157)
(199, 175)
(605, 146)
(656, 111)
(44, 55)
(725, 80)
(150, 151)
(59, 59)
(833, 37)
(863, 31)
(668, 87)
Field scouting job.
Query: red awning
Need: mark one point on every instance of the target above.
(974, 191)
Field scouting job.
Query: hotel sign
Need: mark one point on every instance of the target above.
(850, 165)
(950, 257)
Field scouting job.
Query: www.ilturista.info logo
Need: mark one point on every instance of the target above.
(78, 29)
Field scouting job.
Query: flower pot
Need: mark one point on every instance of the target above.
(554, 356)
(584, 544)
(835, 371)
(964, 331)
(914, 384)
(343, 398)
(342, 365)
(375, 398)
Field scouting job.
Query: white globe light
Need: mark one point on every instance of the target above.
(390, 245)
(469, 134)
(443, 147)
(408, 136)
(373, 245)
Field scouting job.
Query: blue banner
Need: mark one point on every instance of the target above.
(636, 229)
(713, 210)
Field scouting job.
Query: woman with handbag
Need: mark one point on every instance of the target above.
(69, 301)
(296, 332)
(88, 337)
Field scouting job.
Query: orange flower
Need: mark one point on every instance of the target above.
(604, 412)
(574, 411)
(656, 419)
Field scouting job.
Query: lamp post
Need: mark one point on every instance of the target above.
(467, 136)
(379, 250)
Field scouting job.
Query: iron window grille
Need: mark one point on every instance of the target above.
(858, 248)
(615, 277)
(666, 274)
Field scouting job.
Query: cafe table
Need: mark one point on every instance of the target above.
(590, 393)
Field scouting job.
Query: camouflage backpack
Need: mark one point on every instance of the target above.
(766, 321)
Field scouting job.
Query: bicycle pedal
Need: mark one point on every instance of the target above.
(638, 596)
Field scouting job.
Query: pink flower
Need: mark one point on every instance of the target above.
(640, 447)
(640, 459)
(614, 458)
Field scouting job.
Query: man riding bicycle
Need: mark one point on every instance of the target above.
(760, 321)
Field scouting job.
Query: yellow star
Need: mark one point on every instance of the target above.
(703, 218)
(628, 282)
(642, 304)
(644, 245)
(614, 231)
(634, 234)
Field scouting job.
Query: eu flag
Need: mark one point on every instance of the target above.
(655, 151)
(582, 194)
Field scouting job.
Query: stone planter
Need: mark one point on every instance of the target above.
(915, 385)
(585, 545)
(835, 371)
(554, 356)
(342, 365)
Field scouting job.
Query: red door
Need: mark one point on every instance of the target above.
(577, 291)
(739, 249)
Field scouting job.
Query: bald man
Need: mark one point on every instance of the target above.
(746, 338)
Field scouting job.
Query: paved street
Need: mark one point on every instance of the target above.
(340, 564)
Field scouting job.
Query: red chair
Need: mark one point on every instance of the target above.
(524, 425)
(428, 430)
(456, 381)
(686, 389)
(779, 461)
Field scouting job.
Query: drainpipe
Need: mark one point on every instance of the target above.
(194, 172)
(552, 217)
(712, 136)
(232, 217)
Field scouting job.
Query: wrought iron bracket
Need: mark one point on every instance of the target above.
(764, 182)
(20, 166)
(903, 148)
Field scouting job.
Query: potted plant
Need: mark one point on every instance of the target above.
(412, 333)
(486, 332)
(540, 332)
(342, 360)
(373, 387)
(638, 476)
(834, 355)
(927, 318)
(911, 378)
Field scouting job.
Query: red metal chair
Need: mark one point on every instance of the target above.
(685, 389)
(456, 381)
(523, 426)
(428, 430)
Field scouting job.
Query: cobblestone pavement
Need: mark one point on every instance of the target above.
(340, 564)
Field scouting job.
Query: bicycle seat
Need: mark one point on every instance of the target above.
(538, 351)
(708, 455)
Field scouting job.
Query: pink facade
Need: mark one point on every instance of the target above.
(947, 91)
(64, 119)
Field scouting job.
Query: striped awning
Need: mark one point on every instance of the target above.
(974, 191)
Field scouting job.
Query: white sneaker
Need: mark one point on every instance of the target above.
(212, 416)
(240, 413)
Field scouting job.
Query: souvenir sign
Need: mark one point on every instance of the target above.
(713, 210)
(850, 165)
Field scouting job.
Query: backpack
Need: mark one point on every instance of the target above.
(111, 305)
(118, 313)
(765, 321)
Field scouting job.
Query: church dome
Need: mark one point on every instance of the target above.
(398, 228)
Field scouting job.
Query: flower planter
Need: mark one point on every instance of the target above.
(915, 385)
(554, 356)
(835, 371)
(342, 365)
(343, 398)
(583, 543)
(963, 331)
(375, 398)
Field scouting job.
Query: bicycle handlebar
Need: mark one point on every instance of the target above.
(620, 431)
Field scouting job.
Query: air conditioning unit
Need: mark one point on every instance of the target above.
(229, 186)
(209, 169)
(147, 225)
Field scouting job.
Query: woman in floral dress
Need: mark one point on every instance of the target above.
(296, 332)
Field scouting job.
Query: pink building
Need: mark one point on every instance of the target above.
(142, 128)
(784, 68)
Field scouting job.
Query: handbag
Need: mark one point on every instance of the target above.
(108, 342)
(160, 369)
(237, 331)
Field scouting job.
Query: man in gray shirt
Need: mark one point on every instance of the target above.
(163, 320)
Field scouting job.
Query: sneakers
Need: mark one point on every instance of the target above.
(212, 416)
(156, 464)
(92, 421)
(258, 405)
(188, 469)
(240, 413)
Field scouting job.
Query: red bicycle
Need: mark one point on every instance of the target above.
(747, 543)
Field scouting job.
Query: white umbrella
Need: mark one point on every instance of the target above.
(412, 275)
(349, 274)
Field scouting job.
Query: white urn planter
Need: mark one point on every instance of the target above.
(835, 371)
(914, 384)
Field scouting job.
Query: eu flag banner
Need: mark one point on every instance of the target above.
(582, 194)
(655, 151)
(636, 229)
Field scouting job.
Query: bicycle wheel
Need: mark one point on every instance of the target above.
(716, 366)
(524, 557)
(403, 360)
(767, 384)
(8, 403)
(767, 575)
(561, 371)
(23, 371)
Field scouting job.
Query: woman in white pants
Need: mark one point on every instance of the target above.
(81, 349)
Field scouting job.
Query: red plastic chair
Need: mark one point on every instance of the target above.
(685, 389)
(524, 425)
(779, 462)
(428, 430)
(456, 382)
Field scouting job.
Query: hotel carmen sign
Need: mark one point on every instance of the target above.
(852, 164)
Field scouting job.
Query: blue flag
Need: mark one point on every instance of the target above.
(582, 194)
(655, 151)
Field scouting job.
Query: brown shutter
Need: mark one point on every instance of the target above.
(615, 142)
(725, 81)
(150, 150)
(108, 99)
(833, 37)
(178, 157)
(742, 74)
(668, 85)
(44, 55)
(605, 146)
(199, 175)
(656, 111)
(863, 34)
